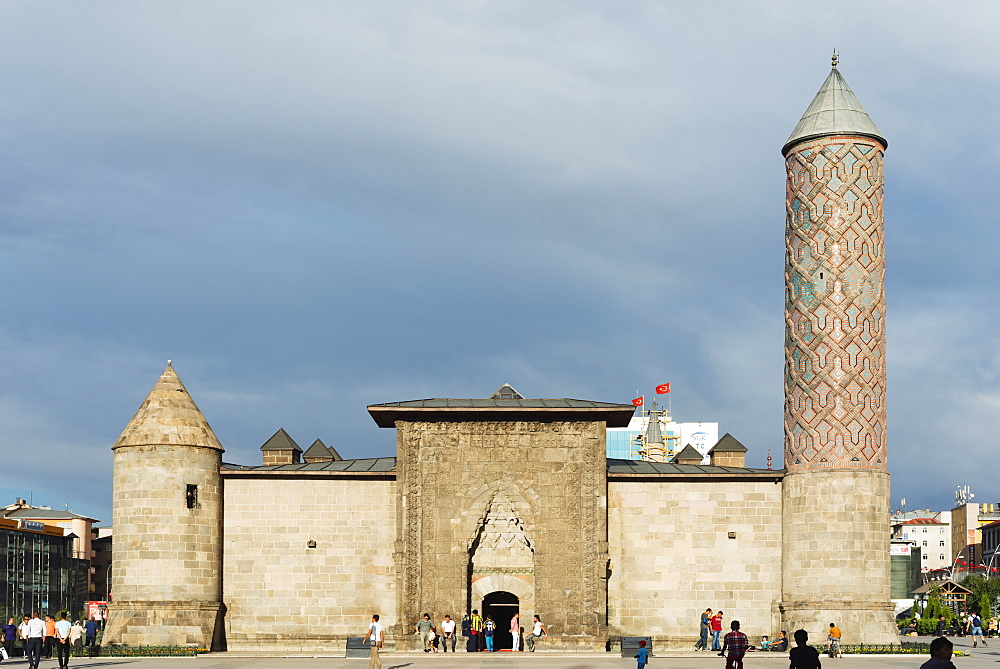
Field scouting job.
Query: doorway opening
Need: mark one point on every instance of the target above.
(501, 607)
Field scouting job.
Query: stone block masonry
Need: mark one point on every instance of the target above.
(671, 557)
(281, 593)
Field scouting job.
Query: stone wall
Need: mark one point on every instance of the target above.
(282, 594)
(546, 480)
(836, 555)
(671, 557)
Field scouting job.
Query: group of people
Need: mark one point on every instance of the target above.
(710, 627)
(970, 624)
(478, 631)
(40, 637)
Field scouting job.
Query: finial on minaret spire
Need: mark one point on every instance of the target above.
(835, 59)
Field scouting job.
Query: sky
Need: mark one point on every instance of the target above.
(311, 207)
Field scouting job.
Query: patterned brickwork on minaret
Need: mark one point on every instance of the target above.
(835, 305)
(835, 497)
(834, 299)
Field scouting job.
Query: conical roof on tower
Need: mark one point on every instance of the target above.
(168, 416)
(834, 111)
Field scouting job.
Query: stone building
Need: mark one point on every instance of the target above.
(510, 504)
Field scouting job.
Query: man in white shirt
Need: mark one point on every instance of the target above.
(448, 630)
(378, 639)
(33, 634)
(62, 641)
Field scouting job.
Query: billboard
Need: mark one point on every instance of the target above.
(700, 435)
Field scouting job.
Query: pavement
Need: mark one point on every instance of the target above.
(979, 658)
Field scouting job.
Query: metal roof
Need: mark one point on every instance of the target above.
(638, 468)
(444, 409)
(363, 465)
(280, 441)
(615, 468)
(689, 452)
(728, 444)
(834, 111)
(45, 514)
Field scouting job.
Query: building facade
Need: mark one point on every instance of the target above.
(510, 504)
(39, 570)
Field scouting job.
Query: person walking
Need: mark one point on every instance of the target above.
(734, 646)
(62, 641)
(377, 636)
(50, 637)
(90, 627)
(448, 632)
(704, 627)
(424, 626)
(803, 656)
(537, 632)
(489, 628)
(9, 636)
(515, 633)
(76, 633)
(642, 655)
(716, 624)
(33, 633)
(834, 640)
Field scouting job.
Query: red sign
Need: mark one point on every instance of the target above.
(95, 611)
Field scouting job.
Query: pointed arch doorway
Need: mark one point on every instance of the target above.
(501, 606)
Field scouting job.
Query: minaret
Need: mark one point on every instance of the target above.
(166, 579)
(835, 551)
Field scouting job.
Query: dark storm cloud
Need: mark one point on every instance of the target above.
(317, 206)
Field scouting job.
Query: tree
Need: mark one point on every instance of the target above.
(985, 591)
(933, 611)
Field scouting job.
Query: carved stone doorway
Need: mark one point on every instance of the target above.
(501, 606)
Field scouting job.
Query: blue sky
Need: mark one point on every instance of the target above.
(312, 207)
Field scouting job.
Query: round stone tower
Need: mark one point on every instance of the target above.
(835, 551)
(167, 572)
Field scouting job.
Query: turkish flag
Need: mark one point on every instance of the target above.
(665, 388)
(638, 401)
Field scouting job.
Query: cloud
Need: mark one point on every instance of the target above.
(316, 207)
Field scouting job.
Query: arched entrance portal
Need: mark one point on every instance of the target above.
(501, 606)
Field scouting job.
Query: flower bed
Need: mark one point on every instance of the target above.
(136, 651)
(874, 649)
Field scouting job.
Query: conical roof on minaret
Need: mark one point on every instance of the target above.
(168, 416)
(834, 111)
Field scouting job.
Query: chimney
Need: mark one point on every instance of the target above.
(281, 449)
(728, 452)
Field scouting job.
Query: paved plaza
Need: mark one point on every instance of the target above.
(979, 659)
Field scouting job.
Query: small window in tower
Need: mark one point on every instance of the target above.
(821, 275)
(192, 496)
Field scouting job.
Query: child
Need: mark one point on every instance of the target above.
(764, 643)
(941, 650)
(489, 628)
(803, 656)
(642, 655)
